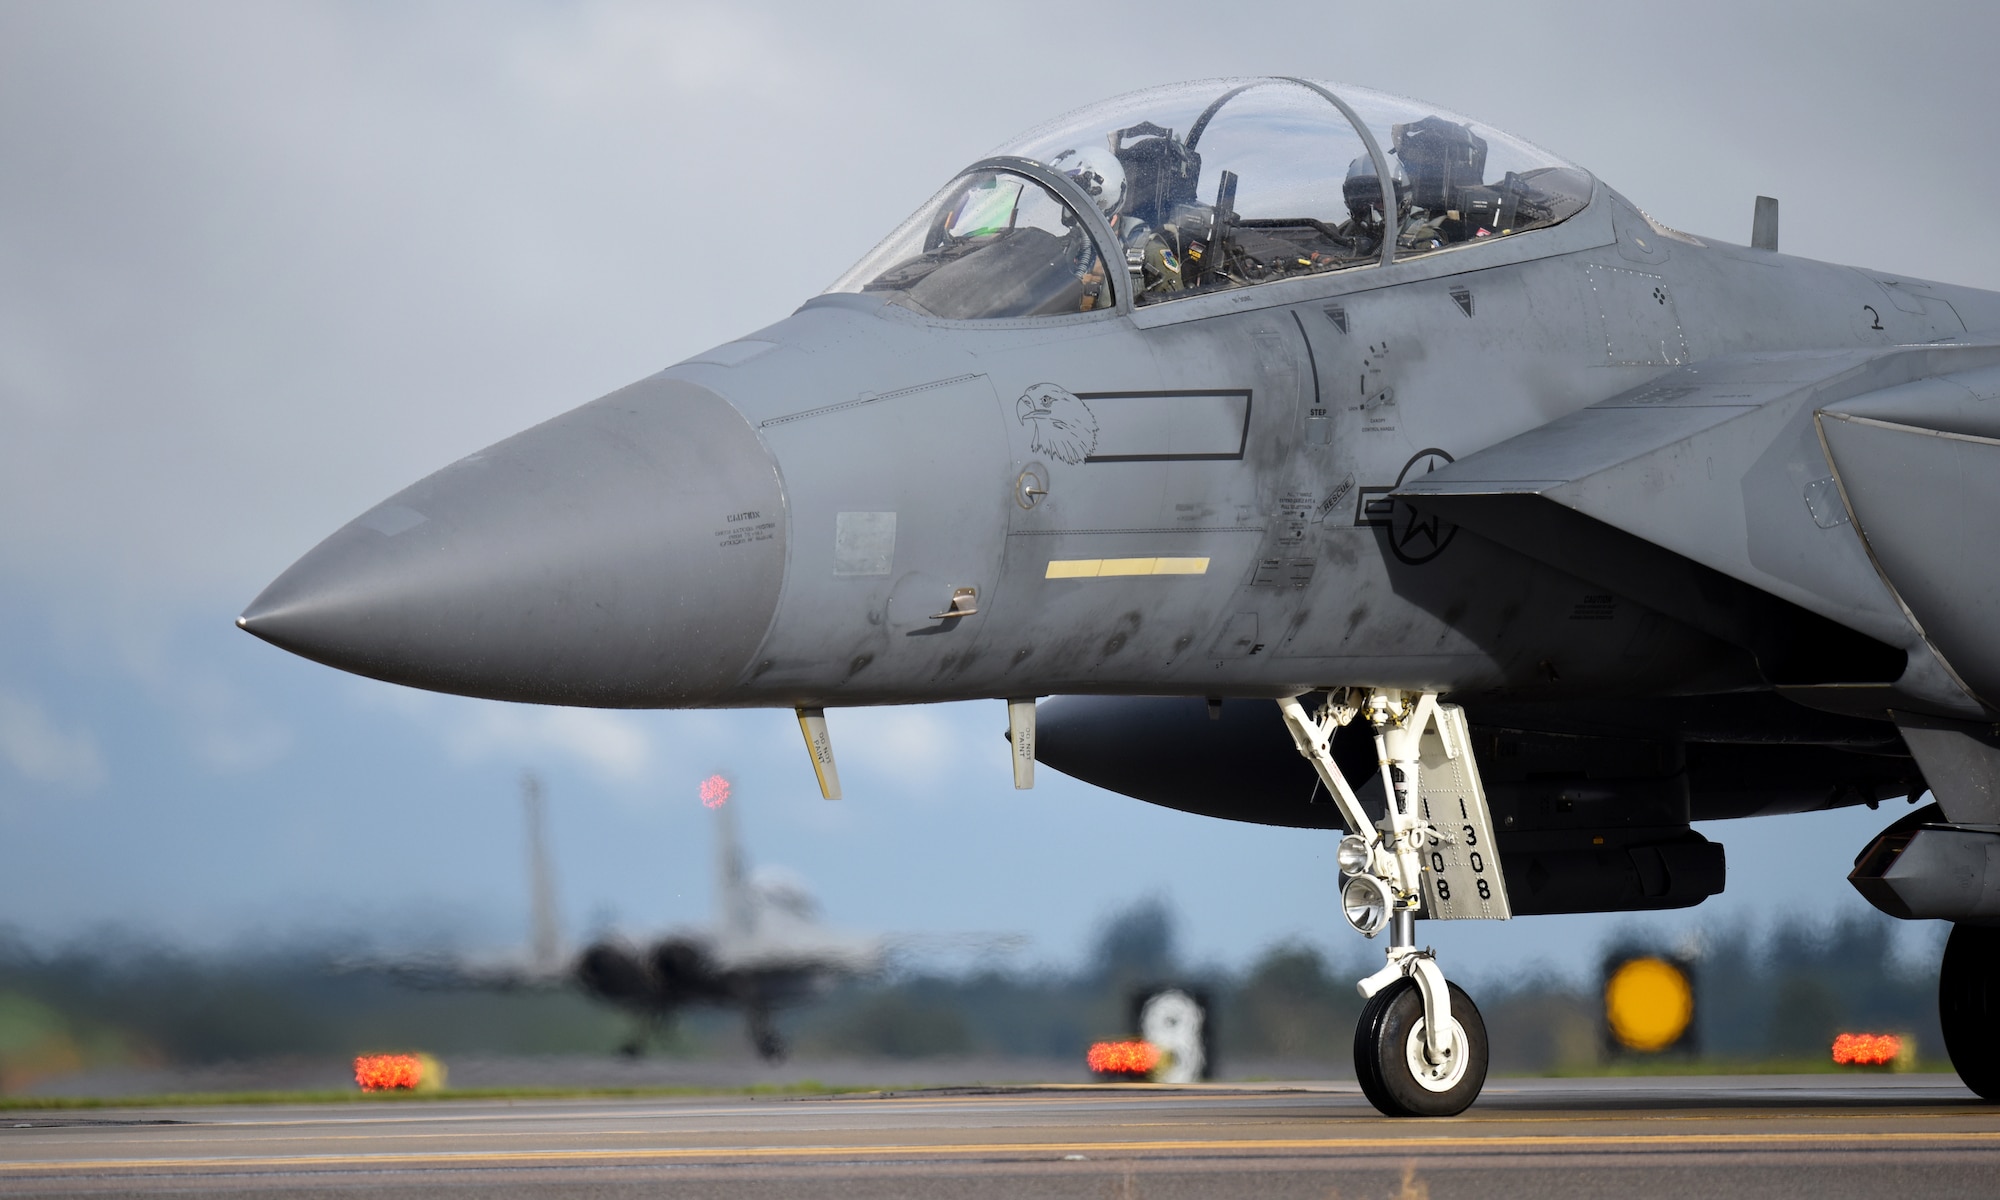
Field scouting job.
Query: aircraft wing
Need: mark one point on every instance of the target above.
(1839, 503)
(441, 972)
(810, 948)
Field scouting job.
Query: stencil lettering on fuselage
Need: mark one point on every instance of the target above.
(1375, 395)
(1462, 879)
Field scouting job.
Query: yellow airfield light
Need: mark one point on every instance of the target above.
(1648, 1004)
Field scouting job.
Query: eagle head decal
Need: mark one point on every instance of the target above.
(1063, 426)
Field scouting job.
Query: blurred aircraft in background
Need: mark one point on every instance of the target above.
(764, 949)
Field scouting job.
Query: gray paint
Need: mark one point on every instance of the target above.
(628, 553)
(1933, 543)
(1580, 462)
(1963, 760)
(1941, 873)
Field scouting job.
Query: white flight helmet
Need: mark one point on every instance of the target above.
(1098, 173)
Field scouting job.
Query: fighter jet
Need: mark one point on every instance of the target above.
(1314, 457)
(765, 949)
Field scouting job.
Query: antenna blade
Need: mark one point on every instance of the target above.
(1021, 737)
(1764, 224)
(812, 723)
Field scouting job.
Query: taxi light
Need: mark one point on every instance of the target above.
(1866, 1049)
(1365, 903)
(714, 792)
(388, 1072)
(1352, 856)
(1123, 1058)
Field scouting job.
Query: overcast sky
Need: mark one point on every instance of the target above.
(262, 264)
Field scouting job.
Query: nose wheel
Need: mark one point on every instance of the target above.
(1420, 1049)
(1399, 1072)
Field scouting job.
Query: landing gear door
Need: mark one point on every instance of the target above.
(1462, 879)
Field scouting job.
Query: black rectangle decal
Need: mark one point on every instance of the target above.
(1190, 426)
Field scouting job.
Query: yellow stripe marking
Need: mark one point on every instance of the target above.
(1515, 1142)
(1108, 568)
(1073, 568)
(1125, 566)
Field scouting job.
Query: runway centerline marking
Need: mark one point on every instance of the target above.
(1639, 1142)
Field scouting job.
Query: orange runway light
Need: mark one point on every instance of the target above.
(1124, 1058)
(388, 1072)
(714, 792)
(1866, 1049)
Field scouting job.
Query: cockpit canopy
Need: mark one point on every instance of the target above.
(1201, 187)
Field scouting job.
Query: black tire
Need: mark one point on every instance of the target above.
(1390, 1026)
(1367, 1033)
(1969, 1007)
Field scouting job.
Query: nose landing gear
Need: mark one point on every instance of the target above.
(1399, 1073)
(1420, 1047)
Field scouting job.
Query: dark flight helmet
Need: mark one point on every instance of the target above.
(1443, 156)
(1363, 188)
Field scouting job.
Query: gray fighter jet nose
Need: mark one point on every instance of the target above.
(626, 554)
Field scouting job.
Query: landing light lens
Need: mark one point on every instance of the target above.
(1352, 855)
(1365, 902)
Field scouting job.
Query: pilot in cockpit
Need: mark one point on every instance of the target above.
(1149, 254)
(1362, 191)
(1100, 177)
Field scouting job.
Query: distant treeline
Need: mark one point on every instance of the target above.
(121, 1001)
(112, 1001)
(1782, 996)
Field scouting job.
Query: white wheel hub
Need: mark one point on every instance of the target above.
(1443, 1075)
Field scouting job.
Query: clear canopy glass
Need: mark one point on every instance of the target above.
(1210, 185)
(991, 244)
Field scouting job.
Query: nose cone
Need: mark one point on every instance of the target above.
(626, 554)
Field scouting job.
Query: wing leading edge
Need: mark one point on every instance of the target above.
(1827, 510)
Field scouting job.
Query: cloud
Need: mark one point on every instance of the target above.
(612, 56)
(615, 746)
(221, 720)
(930, 745)
(609, 743)
(226, 733)
(37, 749)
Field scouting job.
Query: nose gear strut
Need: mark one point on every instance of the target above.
(1420, 1048)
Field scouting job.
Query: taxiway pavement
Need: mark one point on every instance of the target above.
(1823, 1137)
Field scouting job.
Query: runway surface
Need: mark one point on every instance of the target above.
(1819, 1136)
